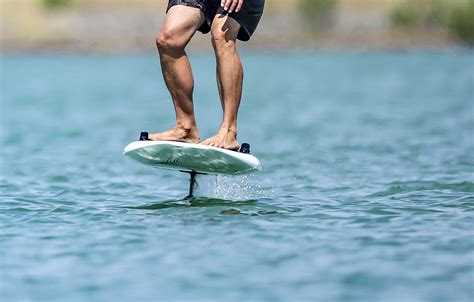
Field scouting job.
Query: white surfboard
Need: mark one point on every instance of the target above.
(189, 157)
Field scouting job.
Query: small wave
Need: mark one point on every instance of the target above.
(193, 202)
(416, 186)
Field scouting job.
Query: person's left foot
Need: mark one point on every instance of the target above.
(225, 138)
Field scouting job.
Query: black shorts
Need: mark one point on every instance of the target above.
(248, 16)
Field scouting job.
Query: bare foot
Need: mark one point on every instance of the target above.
(225, 138)
(177, 134)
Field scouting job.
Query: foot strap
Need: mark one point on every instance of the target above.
(144, 136)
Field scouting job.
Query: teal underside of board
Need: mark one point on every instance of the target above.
(192, 158)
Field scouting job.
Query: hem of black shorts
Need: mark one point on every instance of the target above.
(243, 36)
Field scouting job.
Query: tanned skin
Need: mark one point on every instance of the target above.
(180, 25)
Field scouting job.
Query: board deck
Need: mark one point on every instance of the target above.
(187, 157)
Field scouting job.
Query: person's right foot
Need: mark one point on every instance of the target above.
(177, 134)
(225, 138)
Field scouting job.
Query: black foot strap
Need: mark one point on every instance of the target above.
(144, 136)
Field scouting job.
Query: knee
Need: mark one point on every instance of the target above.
(221, 41)
(166, 40)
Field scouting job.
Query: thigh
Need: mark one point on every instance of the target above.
(225, 26)
(181, 22)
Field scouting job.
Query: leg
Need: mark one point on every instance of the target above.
(229, 80)
(181, 23)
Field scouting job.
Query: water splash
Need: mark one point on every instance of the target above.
(243, 187)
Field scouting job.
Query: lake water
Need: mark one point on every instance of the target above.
(366, 193)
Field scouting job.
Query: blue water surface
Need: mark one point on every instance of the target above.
(366, 193)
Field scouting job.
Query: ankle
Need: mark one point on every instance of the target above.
(188, 127)
(229, 129)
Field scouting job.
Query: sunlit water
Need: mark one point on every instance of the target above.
(367, 190)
